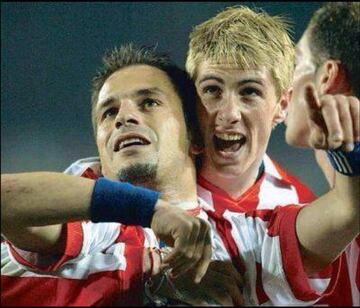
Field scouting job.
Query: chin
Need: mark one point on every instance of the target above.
(230, 170)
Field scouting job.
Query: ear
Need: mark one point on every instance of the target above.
(282, 107)
(332, 79)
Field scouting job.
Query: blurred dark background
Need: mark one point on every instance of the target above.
(50, 52)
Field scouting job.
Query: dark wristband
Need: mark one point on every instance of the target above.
(114, 201)
(347, 163)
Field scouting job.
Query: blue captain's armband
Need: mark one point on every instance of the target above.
(347, 163)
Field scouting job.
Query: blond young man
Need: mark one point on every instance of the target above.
(234, 60)
(242, 62)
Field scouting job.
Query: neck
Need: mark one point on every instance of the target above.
(233, 184)
(179, 186)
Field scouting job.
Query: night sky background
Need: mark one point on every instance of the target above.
(50, 52)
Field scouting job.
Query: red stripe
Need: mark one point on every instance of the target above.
(260, 293)
(90, 174)
(249, 200)
(338, 292)
(74, 240)
(100, 289)
(132, 279)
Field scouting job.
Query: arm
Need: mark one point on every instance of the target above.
(36, 205)
(328, 225)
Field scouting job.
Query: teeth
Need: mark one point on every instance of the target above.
(128, 141)
(229, 136)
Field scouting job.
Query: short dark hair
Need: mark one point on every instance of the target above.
(127, 55)
(334, 33)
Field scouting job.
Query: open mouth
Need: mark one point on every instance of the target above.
(124, 143)
(229, 142)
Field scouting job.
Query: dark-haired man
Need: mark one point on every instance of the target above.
(76, 241)
(326, 88)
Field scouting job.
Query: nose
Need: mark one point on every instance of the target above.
(127, 114)
(229, 114)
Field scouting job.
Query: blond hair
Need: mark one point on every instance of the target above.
(248, 39)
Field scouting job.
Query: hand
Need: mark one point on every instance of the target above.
(188, 235)
(333, 120)
(222, 284)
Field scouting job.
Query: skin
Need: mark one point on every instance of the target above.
(140, 101)
(324, 90)
(239, 104)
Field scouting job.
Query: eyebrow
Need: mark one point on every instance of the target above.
(258, 81)
(140, 92)
(211, 77)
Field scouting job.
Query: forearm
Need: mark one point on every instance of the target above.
(43, 198)
(329, 224)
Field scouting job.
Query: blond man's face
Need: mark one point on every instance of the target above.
(237, 109)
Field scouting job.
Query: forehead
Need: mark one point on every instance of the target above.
(231, 72)
(128, 80)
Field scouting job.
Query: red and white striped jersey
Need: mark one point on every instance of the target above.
(102, 265)
(256, 250)
(263, 240)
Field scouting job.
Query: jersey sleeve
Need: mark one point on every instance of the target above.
(89, 248)
(269, 238)
(72, 236)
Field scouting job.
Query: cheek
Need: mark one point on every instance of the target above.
(101, 140)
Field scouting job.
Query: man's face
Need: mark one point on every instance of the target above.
(304, 73)
(141, 131)
(236, 112)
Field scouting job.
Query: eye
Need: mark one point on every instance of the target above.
(212, 91)
(110, 112)
(149, 103)
(250, 91)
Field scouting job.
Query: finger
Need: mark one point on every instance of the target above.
(204, 262)
(195, 263)
(330, 113)
(317, 126)
(346, 122)
(355, 114)
(181, 257)
(317, 138)
(311, 98)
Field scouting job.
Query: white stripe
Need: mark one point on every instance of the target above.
(205, 198)
(352, 257)
(344, 160)
(340, 162)
(255, 245)
(79, 166)
(334, 158)
(272, 195)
